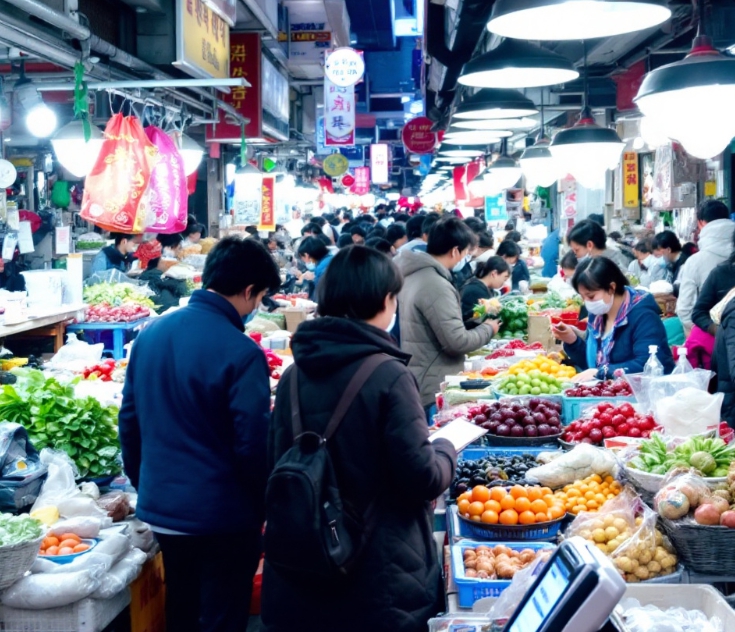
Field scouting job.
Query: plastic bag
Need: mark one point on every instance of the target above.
(689, 411)
(141, 535)
(116, 504)
(169, 201)
(50, 590)
(83, 526)
(76, 355)
(115, 545)
(21, 471)
(582, 461)
(638, 618)
(83, 562)
(116, 195)
(121, 575)
(509, 599)
(680, 493)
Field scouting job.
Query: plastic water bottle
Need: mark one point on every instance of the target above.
(683, 365)
(653, 367)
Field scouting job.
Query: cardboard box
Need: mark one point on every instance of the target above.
(539, 330)
(148, 598)
(294, 317)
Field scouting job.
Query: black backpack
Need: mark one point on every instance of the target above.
(310, 534)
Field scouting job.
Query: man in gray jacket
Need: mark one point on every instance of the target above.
(430, 312)
(715, 246)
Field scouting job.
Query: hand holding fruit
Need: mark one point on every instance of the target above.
(494, 325)
(564, 333)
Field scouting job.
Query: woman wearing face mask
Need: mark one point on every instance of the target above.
(647, 268)
(489, 278)
(588, 239)
(383, 438)
(511, 252)
(315, 255)
(623, 323)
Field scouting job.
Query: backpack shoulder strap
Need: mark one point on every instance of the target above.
(296, 424)
(365, 370)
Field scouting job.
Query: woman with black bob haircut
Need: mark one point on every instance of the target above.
(315, 255)
(623, 324)
(489, 278)
(383, 438)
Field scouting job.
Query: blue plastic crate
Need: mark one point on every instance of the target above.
(572, 406)
(471, 589)
(475, 453)
(458, 529)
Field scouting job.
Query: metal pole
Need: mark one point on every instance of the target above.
(148, 84)
(53, 17)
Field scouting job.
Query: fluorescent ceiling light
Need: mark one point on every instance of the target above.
(460, 152)
(494, 103)
(496, 124)
(475, 138)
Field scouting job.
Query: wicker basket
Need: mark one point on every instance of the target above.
(652, 482)
(16, 560)
(703, 549)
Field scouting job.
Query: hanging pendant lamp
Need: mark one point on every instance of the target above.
(517, 64)
(494, 103)
(459, 152)
(503, 173)
(574, 19)
(587, 150)
(537, 163)
(510, 124)
(692, 100)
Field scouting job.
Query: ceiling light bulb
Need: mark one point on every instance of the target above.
(477, 187)
(476, 137)
(41, 121)
(75, 154)
(495, 124)
(574, 19)
(191, 151)
(651, 133)
(539, 166)
(248, 178)
(493, 103)
(502, 174)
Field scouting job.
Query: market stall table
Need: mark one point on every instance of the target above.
(46, 323)
(119, 330)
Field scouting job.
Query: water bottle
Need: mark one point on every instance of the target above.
(683, 365)
(653, 367)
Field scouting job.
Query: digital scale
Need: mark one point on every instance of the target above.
(576, 591)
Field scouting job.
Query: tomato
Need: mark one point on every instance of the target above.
(627, 410)
(623, 429)
(606, 419)
(609, 432)
(635, 432)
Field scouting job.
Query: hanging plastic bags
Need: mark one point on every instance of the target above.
(116, 191)
(168, 192)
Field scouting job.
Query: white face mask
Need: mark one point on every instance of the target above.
(598, 308)
(461, 264)
(389, 328)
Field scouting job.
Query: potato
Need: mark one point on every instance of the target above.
(505, 571)
(645, 557)
(654, 567)
(632, 579)
(470, 572)
(620, 524)
(483, 575)
(527, 556)
(668, 562)
(598, 535)
(612, 545)
(469, 553)
(470, 563)
(624, 564)
(597, 524)
(660, 554)
(602, 547)
(642, 572)
(611, 533)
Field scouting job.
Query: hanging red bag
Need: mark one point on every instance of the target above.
(169, 200)
(116, 190)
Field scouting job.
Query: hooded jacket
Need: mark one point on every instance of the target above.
(639, 328)
(724, 362)
(381, 452)
(715, 246)
(432, 329)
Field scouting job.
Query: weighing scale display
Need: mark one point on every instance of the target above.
(544, 599)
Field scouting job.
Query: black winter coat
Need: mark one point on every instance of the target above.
(471, 294)
(380, 451)
(719, 282)
(723, 362)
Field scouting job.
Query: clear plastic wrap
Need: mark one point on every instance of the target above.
(120, 575)
(577, 464)
(115, 545)
(83, 526)
(49, 590)
(509, 599)
(649, 618)
(681, 492)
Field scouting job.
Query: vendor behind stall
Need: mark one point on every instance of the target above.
(623, 324)
(167, 291)
(119, 256)
(489, 278)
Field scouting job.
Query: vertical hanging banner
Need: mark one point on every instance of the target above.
(631, 188)
(362, 181)
(268, 204)
(339, 115)
(379, 163)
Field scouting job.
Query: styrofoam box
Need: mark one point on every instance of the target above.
(687, 596)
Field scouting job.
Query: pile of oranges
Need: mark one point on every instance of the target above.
(517, 505)
(545, 365)
(589, 494)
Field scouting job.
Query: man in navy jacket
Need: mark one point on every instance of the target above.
(193, 429)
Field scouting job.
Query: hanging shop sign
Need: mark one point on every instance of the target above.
(495, 208)
(379, 163)
(226, 9)
(274, 101)
(362, 181)
(339, 115)
(247, 202)
(355, 155)
(268, 204)
(245, 62)
(344, 67)
(569, 197)
(202, 40)
(335, 165)
(631, 182)
(309, 41)
(348, 180)
(418, 137)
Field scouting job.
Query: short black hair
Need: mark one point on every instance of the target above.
(334, 219)
(597, 218)
(380, 244)
(401, 217)
(395, 232)
(485, 239)
(314, 247)
(493, 264)
(358, 230)
(448, 233)
(414, 226)
(476, 224)
(345, 239)
(313, 228)
(251, 230)
(192, 228)
(119, 237)
(599, 274)
(235, 264)
(513, 235)
(356, 283)
(585, 231)
(377, 231)
(667, 239)
(712, 210)
(615, 235)
(369, 219)
(643, 246)
(429, 221)
(509, 249)
(324, 239)
(569, 261)
(320, 221)
(170, 241)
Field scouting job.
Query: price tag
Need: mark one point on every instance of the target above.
(9, 244)
(25, 238)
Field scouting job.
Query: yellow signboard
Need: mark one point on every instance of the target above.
(631, 184)
(202, 40)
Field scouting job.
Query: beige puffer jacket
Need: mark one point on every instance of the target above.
(432, 330)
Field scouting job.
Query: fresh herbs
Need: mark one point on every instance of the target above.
(710, 455)
(116, 295)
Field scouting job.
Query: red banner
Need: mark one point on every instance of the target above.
(245, 58)
(362, 181)
(418, 137)
(268, 204)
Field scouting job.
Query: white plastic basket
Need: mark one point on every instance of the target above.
(87, 615)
